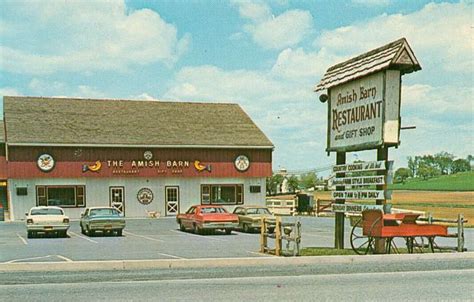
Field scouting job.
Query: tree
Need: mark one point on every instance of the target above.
(309, 180)
(426, 171)
(460, 165)
(412, 165)
(293, 183)
(273, 182)
(402, 174)
(443, 160)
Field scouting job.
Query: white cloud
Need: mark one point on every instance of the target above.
(210, 83)
(440, 34)
(286, 111)
(9, 91)
(274, 32)
(438, 100)
(40, 87)
(258, 12)
(144, 96)
(297, 63)
(285, 30)
(85, 36)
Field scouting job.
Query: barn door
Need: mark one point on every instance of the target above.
(172, 201)
(117, 198)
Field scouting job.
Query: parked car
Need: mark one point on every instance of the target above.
(104, 219)
(250, 217)
(200, 218)
(46, 220)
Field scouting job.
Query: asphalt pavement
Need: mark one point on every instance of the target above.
(154, 261)
(147, 239)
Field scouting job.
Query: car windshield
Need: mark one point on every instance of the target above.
(103, 212)
(46, 212)
(212, 210)
(262, 211)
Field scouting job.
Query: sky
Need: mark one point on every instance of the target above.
(267, 56)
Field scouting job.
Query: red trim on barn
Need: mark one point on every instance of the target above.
(3, 168)
(19, 170)
(72, 162)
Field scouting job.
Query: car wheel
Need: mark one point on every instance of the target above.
(181, 227)
(90, 232)
(63, 234)
(119, 232)
(83, 231)
(196, 229)
(30, 234)
(228, 231)
(246, 228)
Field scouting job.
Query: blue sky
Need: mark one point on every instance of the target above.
(264, 55)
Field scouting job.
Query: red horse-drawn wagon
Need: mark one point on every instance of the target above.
(374, 226)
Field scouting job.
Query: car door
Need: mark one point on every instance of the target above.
(85, 218)
(189, 217)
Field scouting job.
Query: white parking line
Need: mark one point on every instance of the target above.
(33, 258)
(64, 258)
(248, 234)
(82, 237)
(172, 256)
(199, 236)
(141, 236)
(22, 239)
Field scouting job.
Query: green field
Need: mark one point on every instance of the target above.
(456, 182)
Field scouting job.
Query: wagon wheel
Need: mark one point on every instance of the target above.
(360, 243)
(422, 244)
(390, 246)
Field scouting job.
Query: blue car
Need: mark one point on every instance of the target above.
(107, 220)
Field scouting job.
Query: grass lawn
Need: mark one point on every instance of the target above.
(325, 251)
(456, 182)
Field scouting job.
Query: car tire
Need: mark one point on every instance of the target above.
(83, 231)
(119, 232)
(29, 234)
(246, 228)
(228, 231)
(90, 232)
(196, 229)
(181, 227)
(63, 234)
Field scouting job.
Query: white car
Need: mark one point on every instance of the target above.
(46, 220)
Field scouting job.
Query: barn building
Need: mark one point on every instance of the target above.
(141, 157)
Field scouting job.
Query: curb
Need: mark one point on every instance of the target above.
(221, 262)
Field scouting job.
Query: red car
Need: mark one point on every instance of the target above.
(200, 218)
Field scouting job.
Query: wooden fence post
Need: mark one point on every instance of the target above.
(278, 236)
(263, 237)
(460, 233)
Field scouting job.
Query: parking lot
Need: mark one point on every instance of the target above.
(158, 239)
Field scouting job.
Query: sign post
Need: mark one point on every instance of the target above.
(363, 96)
(339, 223)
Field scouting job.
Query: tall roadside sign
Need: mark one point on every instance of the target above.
(363, 96)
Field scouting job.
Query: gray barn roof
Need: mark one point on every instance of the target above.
(395, 55)
(69, 121)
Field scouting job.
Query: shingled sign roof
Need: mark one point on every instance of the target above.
(395, 55)
(67, 121)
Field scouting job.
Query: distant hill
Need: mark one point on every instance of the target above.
(456, 182)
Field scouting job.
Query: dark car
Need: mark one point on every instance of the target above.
(250, 217)
(104, 219)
